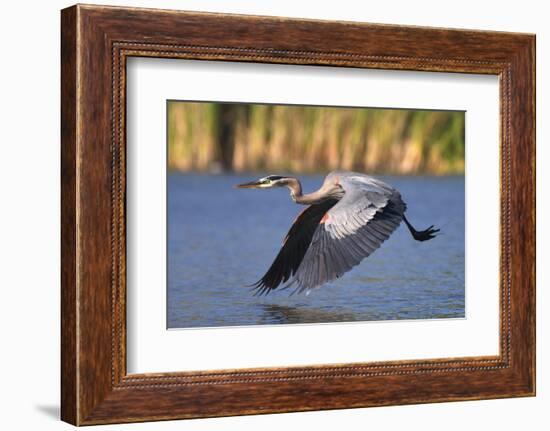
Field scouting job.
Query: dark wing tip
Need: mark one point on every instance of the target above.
(295, 245)
(260, 288)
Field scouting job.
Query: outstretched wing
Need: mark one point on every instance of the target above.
(351, 230)
(294, 247)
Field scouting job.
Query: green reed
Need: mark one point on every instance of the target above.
(240, 137)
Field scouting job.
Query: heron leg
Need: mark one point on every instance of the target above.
(423, 235)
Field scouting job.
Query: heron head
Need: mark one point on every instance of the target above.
(265, 183)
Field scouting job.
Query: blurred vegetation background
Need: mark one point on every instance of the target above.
(280, 138)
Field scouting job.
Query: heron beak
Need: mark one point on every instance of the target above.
(251, 185)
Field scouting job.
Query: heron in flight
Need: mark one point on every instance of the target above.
(346, 220)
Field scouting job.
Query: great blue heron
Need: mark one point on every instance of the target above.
(347, 219)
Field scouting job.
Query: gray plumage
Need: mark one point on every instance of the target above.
(347, 219)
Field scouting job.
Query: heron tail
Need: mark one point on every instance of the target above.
(423, 235)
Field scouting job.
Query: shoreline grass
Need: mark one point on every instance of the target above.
(225, 137)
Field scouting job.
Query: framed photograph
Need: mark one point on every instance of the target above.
(265, 215)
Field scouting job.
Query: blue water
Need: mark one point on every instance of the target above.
(221, 239)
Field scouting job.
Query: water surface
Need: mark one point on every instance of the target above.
(221, 239)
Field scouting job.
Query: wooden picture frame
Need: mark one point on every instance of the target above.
(95, 43)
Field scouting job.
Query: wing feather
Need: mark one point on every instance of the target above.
(295, 246)
(357, 225)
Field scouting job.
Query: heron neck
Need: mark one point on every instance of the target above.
(309, 198)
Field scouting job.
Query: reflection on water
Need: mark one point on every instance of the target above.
(221, 239)
(274, 313)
